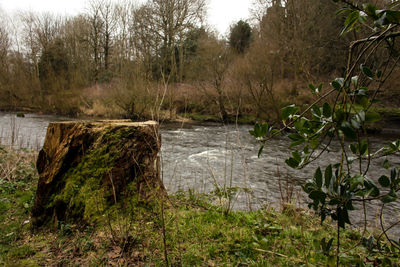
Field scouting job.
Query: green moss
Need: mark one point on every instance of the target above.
(26, 263)
(115, 134)
(21, 252)
(83, 193)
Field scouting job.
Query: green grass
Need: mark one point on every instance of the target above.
(244, 119)
(197, 234)
(201, 117)
(388, 113)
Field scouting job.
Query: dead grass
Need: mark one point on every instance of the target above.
(14, 163)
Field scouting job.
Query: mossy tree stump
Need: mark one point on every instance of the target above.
(86, 167)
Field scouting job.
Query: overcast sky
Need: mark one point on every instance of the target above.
(221, 13)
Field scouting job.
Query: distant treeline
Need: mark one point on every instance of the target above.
(161, 59)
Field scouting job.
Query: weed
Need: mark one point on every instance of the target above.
(197, 233)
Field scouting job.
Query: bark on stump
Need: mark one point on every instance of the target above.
(85, 167)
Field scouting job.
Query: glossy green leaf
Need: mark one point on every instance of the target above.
(357, 180)
(339, 115)
(362, 91)
(315, 110)
(318, 177)
(349, 205)
(313, 89)
(343, 217)
(296, 139)
(348, 131)
(308, 187)
(264, 129)
(275, 131)
(363, 147)
(291, 162)
(355, 122)
(372, 117)
(296, 143)
(386, 164)
(391, 197)
(314, 143)
(354, 148)
(336, 85)
(326, 110)
(260, 150)
(384, 181)
(289, 111)
(296, 155)
(318, 195)
(328, 175)
(361, 116)
(299, 124)
(366, 71)
(393, 174)
(370, 185)
(257, 130)
(320, 86)
(350, 21)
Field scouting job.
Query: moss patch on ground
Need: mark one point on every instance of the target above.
(197, 233)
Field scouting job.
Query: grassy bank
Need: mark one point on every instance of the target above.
(189, 231)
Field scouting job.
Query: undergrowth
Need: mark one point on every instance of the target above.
(197, 234)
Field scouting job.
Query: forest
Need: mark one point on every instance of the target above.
(160, 59)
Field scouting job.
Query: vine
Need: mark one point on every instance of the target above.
(345, 119)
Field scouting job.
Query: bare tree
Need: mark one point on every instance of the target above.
(75, 35)
(30, 41)
(4, 50)
(94, 39)
(4, 44)
(212, 69)
(171, 20)
(47, 28)
(123, 15)
(108, 16)
(144, 40)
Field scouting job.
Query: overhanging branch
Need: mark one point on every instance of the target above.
(374, 38)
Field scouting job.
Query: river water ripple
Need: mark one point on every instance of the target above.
(205, 157)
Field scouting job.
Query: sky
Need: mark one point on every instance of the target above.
(221, 13)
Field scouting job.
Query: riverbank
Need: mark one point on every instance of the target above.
(189, 231)
(390, 117)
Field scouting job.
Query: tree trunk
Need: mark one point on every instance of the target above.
(86, 167)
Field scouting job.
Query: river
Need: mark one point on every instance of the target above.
(205, 157)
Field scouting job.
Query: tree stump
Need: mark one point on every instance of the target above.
(86, 167)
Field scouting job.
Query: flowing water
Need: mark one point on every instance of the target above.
(207, 157)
